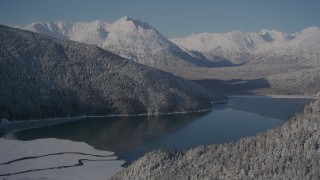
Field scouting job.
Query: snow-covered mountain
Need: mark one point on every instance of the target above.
(265, 46)
(127, 37)
(139, 41)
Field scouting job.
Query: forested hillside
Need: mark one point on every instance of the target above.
(44, 77)
(305, 82)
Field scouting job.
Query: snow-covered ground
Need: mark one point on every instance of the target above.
(55, 159)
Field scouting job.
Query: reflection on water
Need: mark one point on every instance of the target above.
(282, 108)
(117, 134)
(131, 137)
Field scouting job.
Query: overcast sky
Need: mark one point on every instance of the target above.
(173, 18)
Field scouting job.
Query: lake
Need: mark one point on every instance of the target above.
(131, 137)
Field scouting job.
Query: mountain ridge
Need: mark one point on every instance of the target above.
(241, 47)
(139, 41)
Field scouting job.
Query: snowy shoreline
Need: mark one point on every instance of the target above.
(55, 159)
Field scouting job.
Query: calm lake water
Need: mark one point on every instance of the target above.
(131, 137)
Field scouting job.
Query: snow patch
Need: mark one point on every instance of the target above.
(55, 159)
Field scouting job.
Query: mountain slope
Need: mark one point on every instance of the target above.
(266, 46)
(127, 37)
(44, 77)
(290, 151)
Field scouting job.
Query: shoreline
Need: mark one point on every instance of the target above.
(274, 96)
(8, 129)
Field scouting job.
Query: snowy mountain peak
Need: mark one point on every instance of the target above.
(265, 31)
(100, 24)
(274, 36)
(310, 30)
(57, 29)
(125, 18)
(234, 33)
(94, 25)
(127, 21)
(50, 25)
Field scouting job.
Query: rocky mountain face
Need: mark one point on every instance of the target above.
(291, 151)
(45, 77)
(266, 47)
(126, 37)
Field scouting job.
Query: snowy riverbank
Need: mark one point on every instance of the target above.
(55, 159)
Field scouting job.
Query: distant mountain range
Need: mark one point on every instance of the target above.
(139, 41)
(43, 77)
(267, 46)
